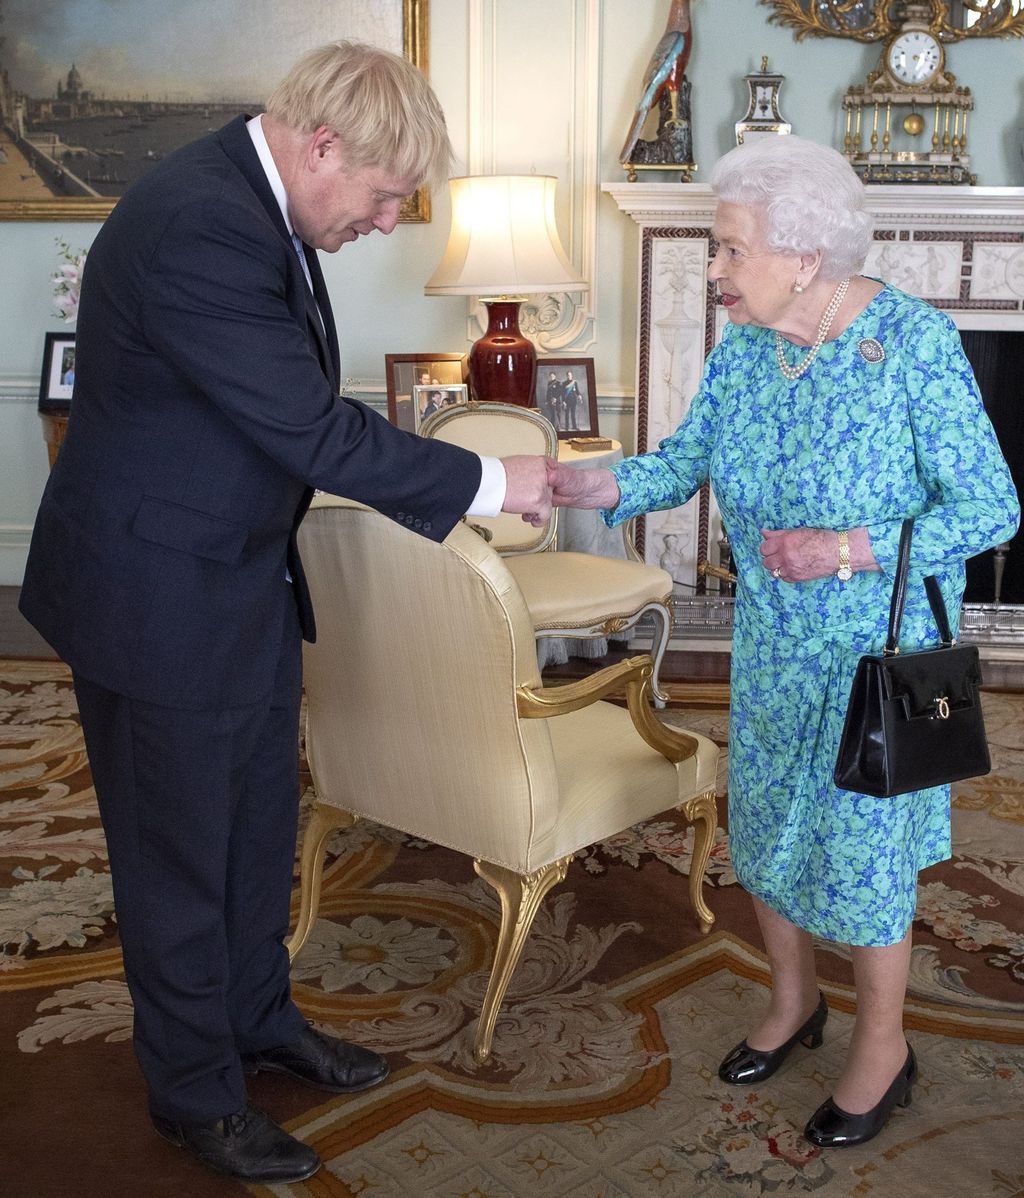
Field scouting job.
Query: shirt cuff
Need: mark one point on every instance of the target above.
(490, 498)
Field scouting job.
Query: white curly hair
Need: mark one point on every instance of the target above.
(811, 196)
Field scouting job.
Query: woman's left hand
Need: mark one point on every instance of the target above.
(800, 554)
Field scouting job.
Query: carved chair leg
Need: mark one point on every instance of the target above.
(323, 820)
(521, 896)
(702, 812)
(662, 632)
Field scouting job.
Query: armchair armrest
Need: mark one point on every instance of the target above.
(629, 541)
(635, 674)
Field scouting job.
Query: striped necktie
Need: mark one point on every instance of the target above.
(297, 242)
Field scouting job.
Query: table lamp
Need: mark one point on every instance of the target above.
(503, 245)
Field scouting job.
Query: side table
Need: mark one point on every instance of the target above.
(583, 532)
(54, 428)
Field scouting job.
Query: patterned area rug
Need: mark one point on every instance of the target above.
(602, 1082)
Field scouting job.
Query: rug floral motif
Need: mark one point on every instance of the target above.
(602, 1080)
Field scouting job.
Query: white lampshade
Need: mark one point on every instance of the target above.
(503, 239)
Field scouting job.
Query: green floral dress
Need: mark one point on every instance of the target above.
(854, 442)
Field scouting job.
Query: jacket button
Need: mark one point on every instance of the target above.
(399, 515)
(417, 523)
(427, 526)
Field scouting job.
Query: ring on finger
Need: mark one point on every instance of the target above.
(776, 573)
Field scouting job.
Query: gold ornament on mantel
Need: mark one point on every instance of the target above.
(875, 20)
(884, 142)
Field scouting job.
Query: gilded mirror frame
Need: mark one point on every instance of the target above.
(873, 20)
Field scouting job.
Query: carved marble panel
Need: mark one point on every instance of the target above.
(929, 268)
(998, 272)
(678, 301)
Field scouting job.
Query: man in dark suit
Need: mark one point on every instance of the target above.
(164, 566)
(551, 403)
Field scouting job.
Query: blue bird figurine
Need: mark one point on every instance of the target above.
(665, 72)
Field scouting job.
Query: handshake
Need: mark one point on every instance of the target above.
(535, 485)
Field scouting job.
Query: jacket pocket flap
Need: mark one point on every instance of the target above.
(189, 530)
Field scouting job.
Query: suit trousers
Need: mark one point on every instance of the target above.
(200, 812)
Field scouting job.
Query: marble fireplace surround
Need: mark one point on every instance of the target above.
(961, 248)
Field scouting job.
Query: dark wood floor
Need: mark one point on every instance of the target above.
(677, 667)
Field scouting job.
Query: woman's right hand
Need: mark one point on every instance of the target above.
(593, 488)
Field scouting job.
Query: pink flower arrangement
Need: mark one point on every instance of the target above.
(67, 283)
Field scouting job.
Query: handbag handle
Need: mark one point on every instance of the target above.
(938, 607)
(899, 596)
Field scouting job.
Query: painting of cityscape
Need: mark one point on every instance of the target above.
(93, 94)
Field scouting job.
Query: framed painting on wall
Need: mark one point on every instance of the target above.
(94, 95)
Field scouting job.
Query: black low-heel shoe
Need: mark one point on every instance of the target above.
(745, 1066)
(832, 1127)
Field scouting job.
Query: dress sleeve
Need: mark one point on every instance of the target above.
(971, 501)
(675, 471)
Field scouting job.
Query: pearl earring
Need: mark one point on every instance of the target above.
(798, 289)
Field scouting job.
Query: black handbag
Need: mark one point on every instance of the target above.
(914, 719)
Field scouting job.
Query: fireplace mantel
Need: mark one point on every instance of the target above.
(653, 202)
(961, 248)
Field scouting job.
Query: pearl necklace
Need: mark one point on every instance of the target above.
(827, 317)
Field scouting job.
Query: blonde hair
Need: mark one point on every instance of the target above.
(379, 104)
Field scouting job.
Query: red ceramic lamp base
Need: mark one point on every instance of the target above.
(503, 363)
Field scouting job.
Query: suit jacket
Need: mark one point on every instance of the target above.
(205, 409)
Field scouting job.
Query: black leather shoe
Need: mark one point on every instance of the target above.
(745, 1066)
(245, 1145)
(322, 1061)
(832, 1127)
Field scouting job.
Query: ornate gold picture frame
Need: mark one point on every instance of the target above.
(72, 137)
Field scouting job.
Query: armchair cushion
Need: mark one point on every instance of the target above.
(578, 590)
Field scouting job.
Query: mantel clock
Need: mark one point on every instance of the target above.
(907, 122)
(762, 115)
(907, 99)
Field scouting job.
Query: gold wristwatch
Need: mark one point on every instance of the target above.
(845, 571)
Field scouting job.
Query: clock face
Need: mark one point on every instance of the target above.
(913, 57)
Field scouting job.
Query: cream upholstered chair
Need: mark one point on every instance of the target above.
(577, 595)
(426, 713)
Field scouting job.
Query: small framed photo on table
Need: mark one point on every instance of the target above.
(58, 378)
(429, 398)
(567, 396)
(407, 374)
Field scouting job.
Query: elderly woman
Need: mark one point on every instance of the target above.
(834, 407)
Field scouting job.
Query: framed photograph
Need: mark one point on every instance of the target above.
(58, 377)
(406, 372)
(567, 396)
(429, 398)
(102, 92)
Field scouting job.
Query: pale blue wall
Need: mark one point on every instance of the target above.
(377, 285)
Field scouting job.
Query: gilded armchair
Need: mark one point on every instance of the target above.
(426, 713)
